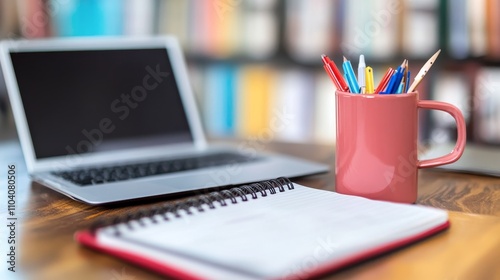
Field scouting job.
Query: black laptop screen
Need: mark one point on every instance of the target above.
(90, 101)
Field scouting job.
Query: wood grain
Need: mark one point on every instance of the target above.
(469, 250)
(460, 192)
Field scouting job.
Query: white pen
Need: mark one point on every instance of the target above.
(361, 73)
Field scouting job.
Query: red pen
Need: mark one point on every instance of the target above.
(385, 80)
(330, 73)
(334, 73)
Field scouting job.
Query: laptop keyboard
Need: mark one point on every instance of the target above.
(95, 176)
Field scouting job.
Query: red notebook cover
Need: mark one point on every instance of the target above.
(89, 239)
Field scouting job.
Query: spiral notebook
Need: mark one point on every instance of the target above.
(274, 229)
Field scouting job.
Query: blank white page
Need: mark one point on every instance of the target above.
(278, 235)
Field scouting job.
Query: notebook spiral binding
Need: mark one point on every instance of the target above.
(264, 188)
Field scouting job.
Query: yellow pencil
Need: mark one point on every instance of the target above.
(369, 80)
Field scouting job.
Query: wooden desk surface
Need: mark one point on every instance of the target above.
(470, 249)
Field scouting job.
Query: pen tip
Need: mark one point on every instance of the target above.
(362, 59)
(325, 58)
(345, 59)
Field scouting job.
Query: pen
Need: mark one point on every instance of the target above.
(334, 73)
(361, 73)
(395, 79)
(339, 80)
(369, 80)
(407, 81)
(385, 80)
(403, 81)
(400, 88)
(329, 71)
(351, 78)
(423, 71)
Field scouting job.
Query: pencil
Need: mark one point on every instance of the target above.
(423, 71)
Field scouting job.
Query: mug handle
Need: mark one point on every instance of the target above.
(458, 150)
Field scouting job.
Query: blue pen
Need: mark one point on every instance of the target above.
(407, 81)
(396, 79)
(350, 77)
(400, 88)
(390, 85)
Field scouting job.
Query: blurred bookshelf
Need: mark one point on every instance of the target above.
(255, 65)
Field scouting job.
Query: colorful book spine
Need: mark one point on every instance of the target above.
(255, 87)
(89, 18)
(493, 27)
(9, 22)
(325, 110)
(293, 106)
(34, 18)
(458, 43)
(220, 100)
(139, 17)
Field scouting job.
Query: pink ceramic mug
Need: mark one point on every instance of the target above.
(376, 149)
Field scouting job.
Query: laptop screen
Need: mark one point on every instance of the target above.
(99, 100)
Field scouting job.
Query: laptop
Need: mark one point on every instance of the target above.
(476, 159)
(104, 120)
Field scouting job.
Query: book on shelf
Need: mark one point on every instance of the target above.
(139, 16)
(255, 86)
(197, 78)
(273, 229)
(34, 19)
(202, 32)
(420, 28)
(259, 36)
(325, 110)
(221, 29)
(262, 101)
(310, 28)
(493, 28)
(454, 88)
(384, 28)
(293, 109)
(486, 102)
(173, 18)
(371, 28)
(89, 18)
(477, 14)
(220, 99)
(9, 19)
(458, 36)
